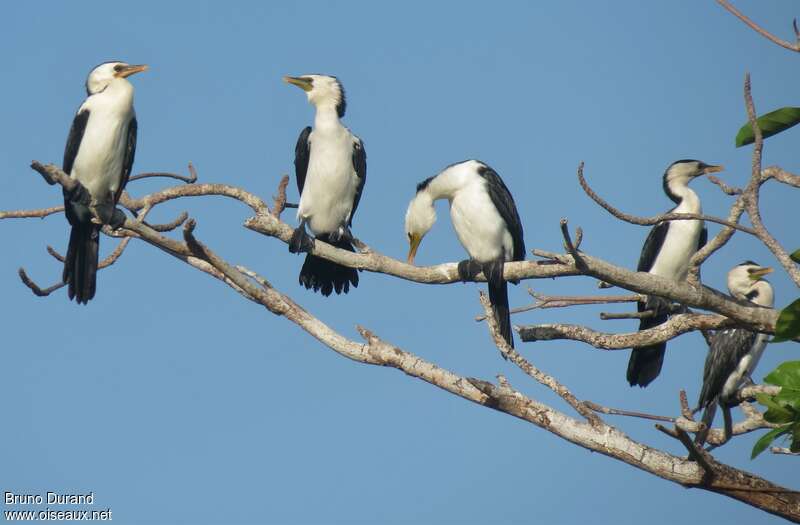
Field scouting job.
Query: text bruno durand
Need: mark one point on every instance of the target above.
(57, 507)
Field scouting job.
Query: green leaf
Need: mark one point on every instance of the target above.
(770, 124)
(788, 325)
(795, 255)
(786, 375)
(775, 413)
(789, 397)
(765, 440)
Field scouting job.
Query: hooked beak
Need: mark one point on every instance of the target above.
(131, 70)
(303, 83)
(758, 274)
(413, 244)
(712, 169)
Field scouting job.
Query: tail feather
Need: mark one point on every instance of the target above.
(80, 264)
(645, 361)
(325, 276)
(498, 296)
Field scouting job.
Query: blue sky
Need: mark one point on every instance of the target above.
(176, 401)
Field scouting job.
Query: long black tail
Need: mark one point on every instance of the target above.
(645, 362)
(708, 418)
(80, 264)
(498, 296)
(325, 276)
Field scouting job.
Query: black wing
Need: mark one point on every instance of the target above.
(360, 165)
(504, 202)
(727, 348)
(703, 238)
(74, 139)
(130, 153)
(302, 152)
(652, 245)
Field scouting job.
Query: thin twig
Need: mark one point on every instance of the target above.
(784, 451)
(35, 288)
(28, 214)
(550, 382)
(561, 301)
(729, 190)
(752, 192)
(619, 412)
(279, 201)
(168, 227)
(758, 29)
(675, 326)
(649, 221)
(191, 179)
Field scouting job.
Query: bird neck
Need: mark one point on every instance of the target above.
(326, 116)
(681, 194)
(117, 97)
(446, 185)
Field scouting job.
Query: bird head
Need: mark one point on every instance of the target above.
(420, 217)
(321, 90)
(108, 72)
(746, 281)
(681, 172)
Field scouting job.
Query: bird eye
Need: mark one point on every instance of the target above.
(409, 236)
(118, 67)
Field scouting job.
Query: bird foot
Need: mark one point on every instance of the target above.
(342, 233)
(301, 241)
(658, 305)
(79, 194)
(468, 269)
(117, 219)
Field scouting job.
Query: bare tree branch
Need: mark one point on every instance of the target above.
(191, 179)
(28, 214)
(774, 172)
(561, 301)
(649, 221)
(752, 192)
(763, 32)
(675, 326)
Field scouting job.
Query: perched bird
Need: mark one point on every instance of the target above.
(99, 154)
(666, 252)
(486, 222)
(331, 167)
(734, 352)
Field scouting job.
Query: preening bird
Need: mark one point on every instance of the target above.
(486, 222)
(99, 154)
(331, 167)
(666, 252)
(734, 352)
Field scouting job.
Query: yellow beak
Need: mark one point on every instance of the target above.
(131, 70)
(758, 274)
(712, 169)
(303, 83)
(413, 244)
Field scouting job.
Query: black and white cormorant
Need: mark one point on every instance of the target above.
(486, 222)
(99, 154)
(331, 168)
(666, 252)
(734, 352)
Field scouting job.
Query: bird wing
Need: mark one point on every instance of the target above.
(653, 243)
(360, 165)
(727, 348)
(74, 139)
(130, 153)
(703, 238)
(302, 152)
(504, 202)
